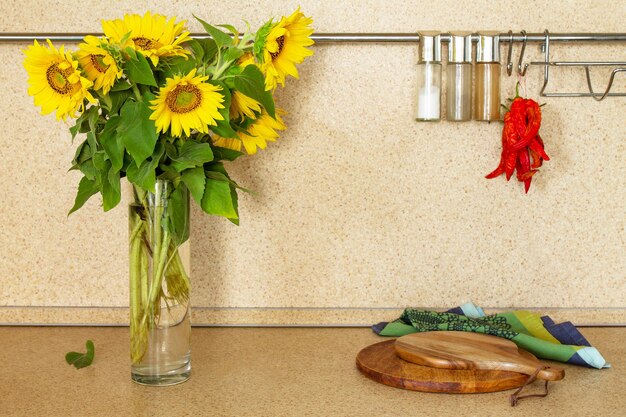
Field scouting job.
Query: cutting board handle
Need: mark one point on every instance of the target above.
(551, 374)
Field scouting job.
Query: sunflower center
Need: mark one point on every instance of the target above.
(281, 42)
(58, 79)
(145, 43)
(98, 63)
(184, 98)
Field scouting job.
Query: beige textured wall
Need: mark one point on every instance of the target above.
(359, 210)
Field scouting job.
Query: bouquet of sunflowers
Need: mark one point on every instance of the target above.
(159, 107)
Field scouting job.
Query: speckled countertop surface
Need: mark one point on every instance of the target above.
(267, 372)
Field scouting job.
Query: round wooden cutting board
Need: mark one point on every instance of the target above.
(466, 350)
(380, 363)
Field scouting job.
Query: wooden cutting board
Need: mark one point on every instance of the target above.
(380, 363)
(466, 350)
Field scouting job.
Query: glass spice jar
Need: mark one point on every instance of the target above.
(459, 77)
(488, 69)
(429, 77)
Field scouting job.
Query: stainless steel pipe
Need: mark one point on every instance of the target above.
(352, 37)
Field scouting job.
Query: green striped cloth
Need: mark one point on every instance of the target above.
(538, 335)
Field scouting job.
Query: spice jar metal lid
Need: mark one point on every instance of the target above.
(460, 47)
(488, 47)
(430, 47)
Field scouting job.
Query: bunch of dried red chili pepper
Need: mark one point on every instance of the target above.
(522, 147)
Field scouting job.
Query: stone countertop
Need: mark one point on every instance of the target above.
(267, 372)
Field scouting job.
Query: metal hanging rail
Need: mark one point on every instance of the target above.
(509, 37)
(353, 37)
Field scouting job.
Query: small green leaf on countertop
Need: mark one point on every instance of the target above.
(81, 360)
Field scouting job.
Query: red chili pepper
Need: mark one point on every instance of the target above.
(524, 173)
(521, 141)
(500, 169)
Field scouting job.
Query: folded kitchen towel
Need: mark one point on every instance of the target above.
(539, 335)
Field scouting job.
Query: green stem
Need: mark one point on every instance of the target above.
(157, 279)
(144, 278)
(135, 293)
(137, 332)
(161, 242)
(137, 92)
(177, 279)
(136, 229)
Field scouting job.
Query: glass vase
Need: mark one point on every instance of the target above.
(160, 328)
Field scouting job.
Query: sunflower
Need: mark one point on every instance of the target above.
(152, 35)
(261, 131)
(245, 60)
(55, 80)
(285, 46)
(186, 103)
(98, 64)
(242, 106)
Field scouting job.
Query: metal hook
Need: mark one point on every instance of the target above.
(608, 87)
(546, 71)
(509, 63)
(521, 72)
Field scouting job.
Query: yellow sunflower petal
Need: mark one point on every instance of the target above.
(186, 103)
(153, 35)
(284, 47)
(243, 106)
(98, 64)
(229, 143)
(54, 80)
(262, 130)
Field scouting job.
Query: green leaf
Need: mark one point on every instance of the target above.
(142, 176)
(225, 153)
(145, 176)
(86, 188)
(137, 131)
(117, 100)
(210, 49)
(251, 83)
(130, 51)
(121, 85)
(194, 179)
(112, 143)
(177, 65)
(218, 172)
(218, 176)
(81, 125)
(196, 49)
(218, 36)
(93, 116)
(102, 165)
(169, 173)
(235, 200)
(91, 139)
(111, 190)
(88, 169)
(81, 360)
(108, 180)
(83, 153)
(232, 54)
(139, 71)
(217, 199)
(192, 154)
(223, 127)
(178, 212)
(105, 101)
(231, 29)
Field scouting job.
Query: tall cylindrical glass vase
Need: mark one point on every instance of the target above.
(160, 328)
